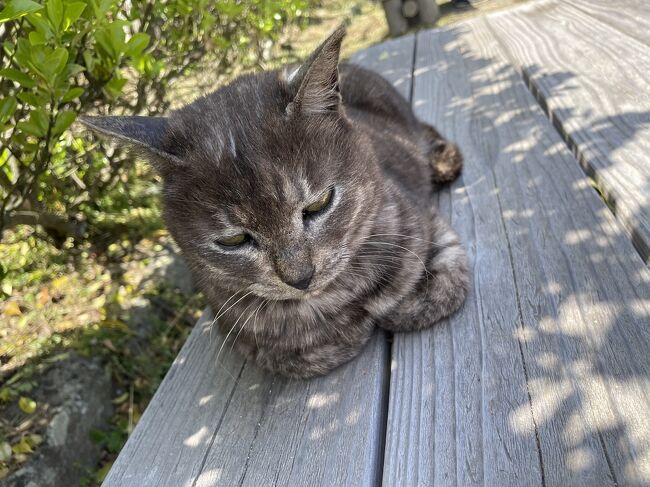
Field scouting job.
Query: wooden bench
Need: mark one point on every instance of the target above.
(543, 377)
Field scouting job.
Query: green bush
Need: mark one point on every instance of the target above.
(60, 58)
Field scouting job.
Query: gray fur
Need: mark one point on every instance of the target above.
(251, 156)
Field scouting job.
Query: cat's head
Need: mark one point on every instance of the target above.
(267, 186)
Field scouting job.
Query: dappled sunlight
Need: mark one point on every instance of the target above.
(197, 438)
(320, 400)
(555, 323)
(207, 478)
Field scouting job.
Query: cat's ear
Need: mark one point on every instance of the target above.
(143, 133)
(316, 82)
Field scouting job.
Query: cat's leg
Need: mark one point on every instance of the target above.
(302, 363)
(444, 156)
(440, 291)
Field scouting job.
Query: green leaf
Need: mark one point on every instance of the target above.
(31, 99)
(18, 76)
(41, 24)
(72, 94)
(73, 70)
(7, 108)
(63, 121)
(23, 52)
(37, 124)
(59, 58)
(36, 38)
(15, 9)
(27, 406)
(137, 44)
(116, 29)
(103, 38)
(72, 12)
(114, 86)
(55, 13)
(105, 5)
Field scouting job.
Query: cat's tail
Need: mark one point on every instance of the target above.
(445, 157)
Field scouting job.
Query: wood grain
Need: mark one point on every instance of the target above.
(228, 423)
(593, 81)
(629, 17)
(542, 378)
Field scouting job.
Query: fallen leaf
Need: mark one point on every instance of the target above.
(109, 344)
(59, 283)
(121, 398)
(6, 288)
(12, 309)
(43, 296)
(5, 451)
(20, 458)
(22, 446)
(34, 440)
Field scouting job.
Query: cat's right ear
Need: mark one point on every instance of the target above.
(145, 134)
(316, 82)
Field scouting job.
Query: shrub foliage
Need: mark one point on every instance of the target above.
(60, 58)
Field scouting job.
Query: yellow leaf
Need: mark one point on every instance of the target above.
(121, 398)
(64, 325)
(59, 283)
(27, 405)
(12, 309)
(109, 344)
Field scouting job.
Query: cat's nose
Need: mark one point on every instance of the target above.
(302, 282)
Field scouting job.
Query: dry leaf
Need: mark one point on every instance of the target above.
(12, 309)
(43, 296)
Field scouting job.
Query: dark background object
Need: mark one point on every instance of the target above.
(404, 14)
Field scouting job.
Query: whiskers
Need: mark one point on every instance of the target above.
(389, 255)
(252, 315)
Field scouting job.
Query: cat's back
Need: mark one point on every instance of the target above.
(369, 92)
(375, 107)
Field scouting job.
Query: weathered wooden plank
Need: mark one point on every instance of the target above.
(228, 423)
(593, 81)
(630, 17)
(542, 377)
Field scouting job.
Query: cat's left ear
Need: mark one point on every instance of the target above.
(316, 82)
(146, 134)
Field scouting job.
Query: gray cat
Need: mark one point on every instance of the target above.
(301, 199)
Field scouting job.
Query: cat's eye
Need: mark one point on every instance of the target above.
(234, 241)
(320, 204)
